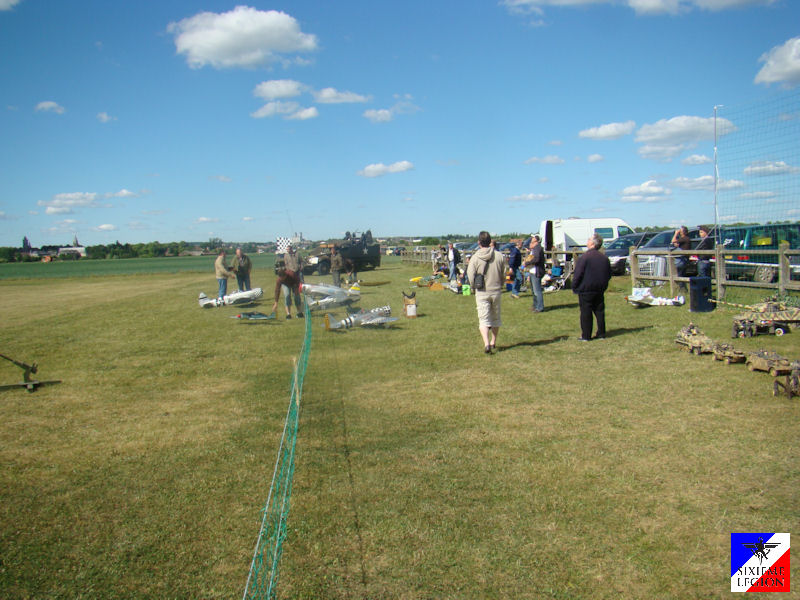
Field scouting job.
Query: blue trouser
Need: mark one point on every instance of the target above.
(538, 296)
(704, 268)
(519, 277)
(453, 272)
(287, 295)
(223, 287)
(243, 281)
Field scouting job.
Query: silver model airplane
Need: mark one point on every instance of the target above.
(376, 316)
(234, 298)
(329, 296)
(640, 297)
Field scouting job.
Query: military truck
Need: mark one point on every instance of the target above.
(361, 250)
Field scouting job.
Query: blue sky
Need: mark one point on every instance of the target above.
(142, 121)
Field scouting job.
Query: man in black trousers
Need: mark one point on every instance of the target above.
(590, 281)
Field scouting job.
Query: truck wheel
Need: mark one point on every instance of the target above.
(324, 268)
(779, 331)
(764, 274)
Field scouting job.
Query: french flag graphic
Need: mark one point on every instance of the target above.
(760, 562)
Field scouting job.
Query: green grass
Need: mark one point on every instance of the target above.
(425, 469)
(125, 266)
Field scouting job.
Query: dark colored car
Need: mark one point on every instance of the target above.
(618, 250)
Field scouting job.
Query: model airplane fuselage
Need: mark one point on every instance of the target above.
(376, 316)
(234, 298)
(329, 296)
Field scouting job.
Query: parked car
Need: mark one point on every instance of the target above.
(657, 265)
(618, 250)
(740, 240)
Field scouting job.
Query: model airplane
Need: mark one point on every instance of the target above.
(644, 297)
(376, 316)
(254, 316)
(329, 296)
(234, 298)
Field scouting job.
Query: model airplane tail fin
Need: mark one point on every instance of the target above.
(355, 288)
(202, 296)
(328, 325)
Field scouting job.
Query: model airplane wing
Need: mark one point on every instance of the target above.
(254, 316)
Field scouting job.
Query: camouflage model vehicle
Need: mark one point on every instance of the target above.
(694, 340)
(771, 317)
(770, 362)
(728, 353)
(792, 384)
(360, 251)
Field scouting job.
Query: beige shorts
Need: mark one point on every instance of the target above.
(488, 304)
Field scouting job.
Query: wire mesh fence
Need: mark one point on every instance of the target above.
(263, 577)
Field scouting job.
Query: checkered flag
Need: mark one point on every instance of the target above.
(283, 244)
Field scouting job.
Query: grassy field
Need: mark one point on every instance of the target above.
(425, 469)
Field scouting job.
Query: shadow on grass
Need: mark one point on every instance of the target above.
(533, 343)
(625, 330)
(559, 306)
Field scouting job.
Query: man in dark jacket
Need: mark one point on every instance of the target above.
(590, 281)
(514, 263)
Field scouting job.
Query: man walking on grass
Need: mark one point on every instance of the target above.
(490, 265)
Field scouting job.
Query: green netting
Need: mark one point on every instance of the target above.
(263, 578)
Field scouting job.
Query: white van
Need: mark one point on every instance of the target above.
(571, 234)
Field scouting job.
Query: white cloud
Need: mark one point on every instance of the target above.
(649, 191)
(63, 204)
(304, 113)
(667, 138)
(104, 117)
(529, 198)
(331, 95)
(105, 227)
(4, 216)
(757, 195)
(380, 169)
(403, 106)
(289, 110)
(706, 183)
(593, 158)
(206, 220)
(243, 37)
(221, 178)
(8, 4)
(641, 7)
(781, 64)
(609, 131)
(766, 168)
(246, 219)
(123, 193)
(545, 160)
(555, 143)
(381, 115)
(278, 89)
(696, 159)
(50, 106)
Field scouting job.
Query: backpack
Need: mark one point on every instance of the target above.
(479, 281)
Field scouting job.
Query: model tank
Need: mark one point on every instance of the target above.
(792, 384)
(771, 362)
(694, 340)
(729, 354)
(771, 316)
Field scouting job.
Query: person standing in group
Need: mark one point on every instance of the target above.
(681, 241)
(590, 281)
(294, 268)
(222, 272)
(241, 267)
(515, 264)
(288, 282)
(337, 265)
(535, 263)
(453, 258)
(487, 272)
(704, 260)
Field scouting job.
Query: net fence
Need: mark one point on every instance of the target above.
(263, 577)
(758, 185)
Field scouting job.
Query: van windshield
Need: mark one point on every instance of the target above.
(604, 232)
